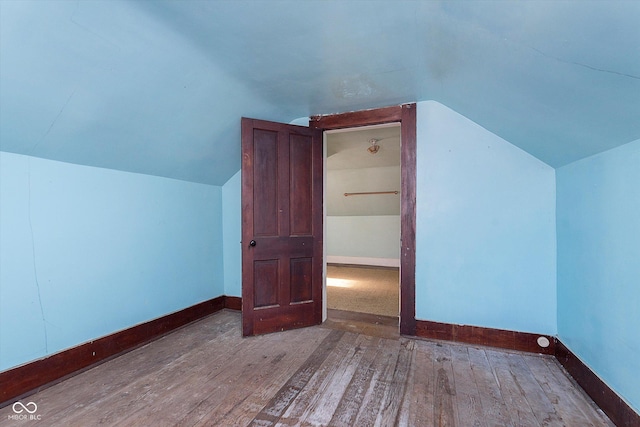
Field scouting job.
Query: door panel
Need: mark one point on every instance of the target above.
(266, 280)
(301, 160)
(265, 181)
(281, 226)
(300, 279)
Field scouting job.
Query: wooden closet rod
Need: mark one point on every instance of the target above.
(370, 192)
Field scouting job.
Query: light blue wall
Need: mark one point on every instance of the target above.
(599, 265)
(232, 235)
(86, 252)
(485, 238)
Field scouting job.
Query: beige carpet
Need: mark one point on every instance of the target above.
(372, 290)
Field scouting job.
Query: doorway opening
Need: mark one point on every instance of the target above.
(405, 116)
(362, 220)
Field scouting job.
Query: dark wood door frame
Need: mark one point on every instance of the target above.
(405, 115)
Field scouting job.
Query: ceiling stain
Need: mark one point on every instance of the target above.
(357, 87)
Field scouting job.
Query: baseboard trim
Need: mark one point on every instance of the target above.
(34, 376)
(501, 338)
(352, 260)
(233, 303)
(608, 400)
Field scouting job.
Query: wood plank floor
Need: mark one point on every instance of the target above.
(343, 373)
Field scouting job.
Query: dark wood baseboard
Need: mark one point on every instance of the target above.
(510, 340)
(233, 303)
(611, 404)
(34, 376)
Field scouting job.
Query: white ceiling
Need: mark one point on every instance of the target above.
(158, 87)
(348, 149)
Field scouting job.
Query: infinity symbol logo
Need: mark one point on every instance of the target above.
(22, 407)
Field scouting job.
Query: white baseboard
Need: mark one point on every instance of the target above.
(378, 262)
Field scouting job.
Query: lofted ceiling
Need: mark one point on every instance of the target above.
(158, 87)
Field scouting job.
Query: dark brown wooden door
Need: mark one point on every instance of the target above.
(281, 226)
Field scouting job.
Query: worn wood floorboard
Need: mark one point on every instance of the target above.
(418, 403)
(351, 400)
(144, 392)
(300, 391)
(467, 393)
(324, 400)
(519, 410)
(209, 392)
(494, 407)
(542, 408)
(363, 323)
(389, 406)
(206, 374)
(558, 393)
(569, 400)
(444, 395)
(381, 372)
(111, 383)
(238, 406)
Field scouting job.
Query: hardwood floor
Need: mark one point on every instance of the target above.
(343, 373)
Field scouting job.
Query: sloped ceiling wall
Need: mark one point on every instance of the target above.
(159, 87)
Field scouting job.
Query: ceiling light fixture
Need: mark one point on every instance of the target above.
(374, 147)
